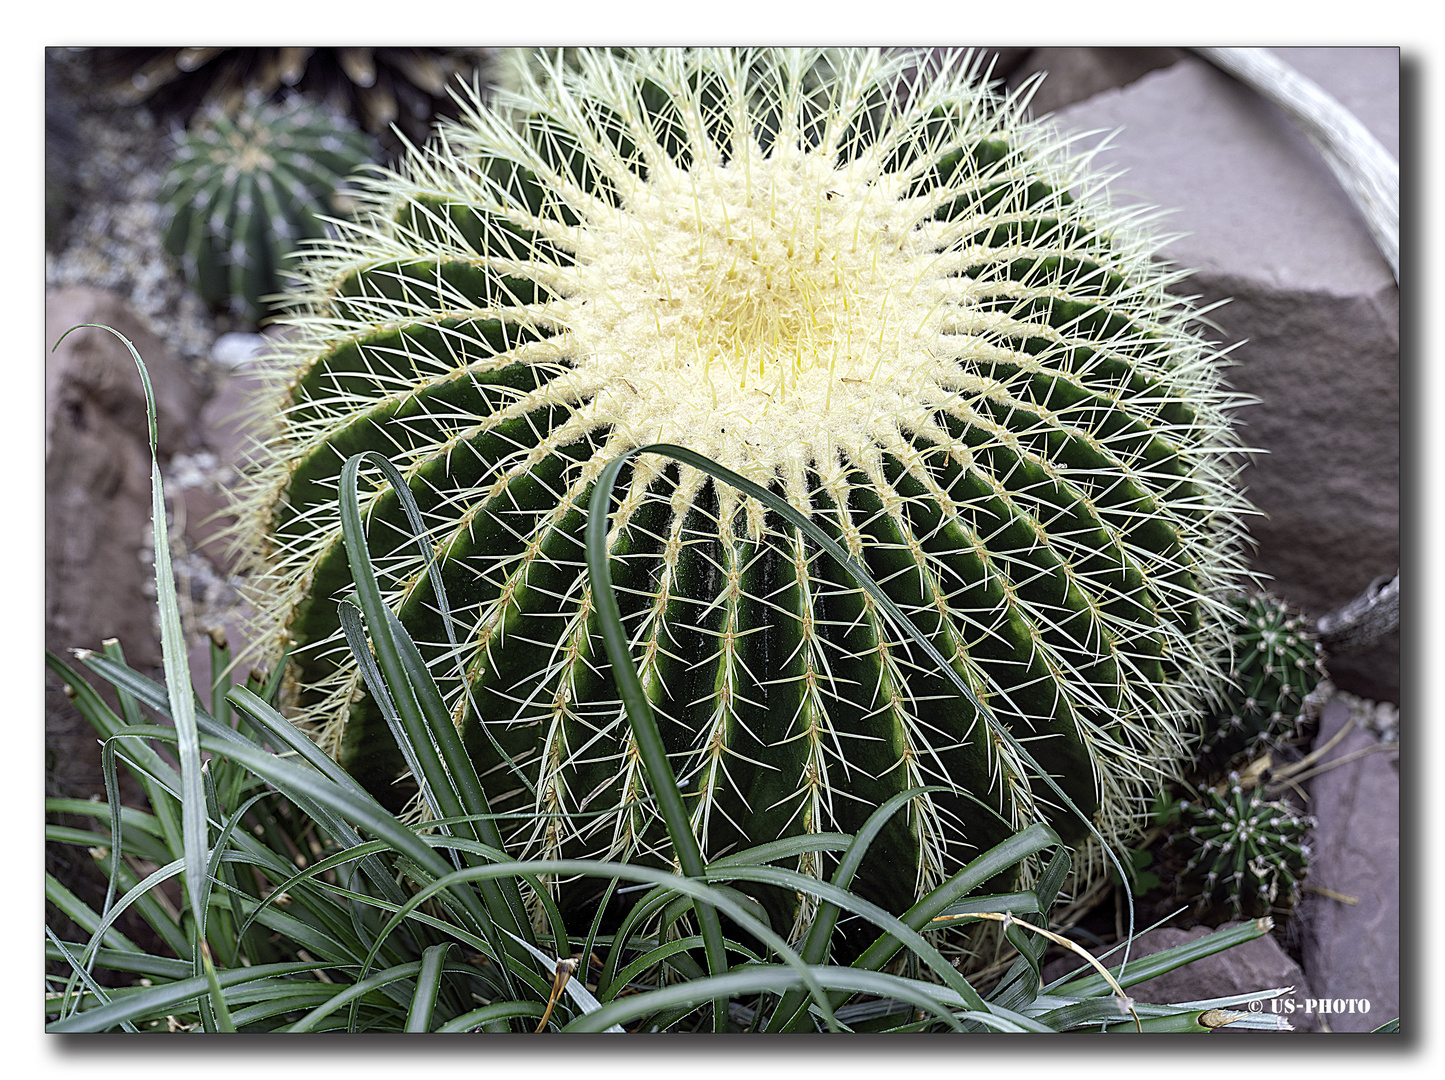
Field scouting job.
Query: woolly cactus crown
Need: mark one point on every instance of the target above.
(873, 294)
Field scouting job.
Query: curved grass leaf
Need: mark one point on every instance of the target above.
(639, 709)
(178, 673)
(158, 1001)
(434, 740)
(700, 893)
(490, 1014)
(428, 982)
(1160, 963)
(815, 945)
(778, 979)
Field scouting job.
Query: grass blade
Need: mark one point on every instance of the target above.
(616, 642)
(428, 982)
(790, 1010)
(158, 1001)
(661, 778)
(178, 678)
(503, 901)
(1160, 963)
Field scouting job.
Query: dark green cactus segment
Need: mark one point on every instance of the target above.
(441, 287)
(407, 357)
(1245, 854)
(436, 482)
(434, 220)
(884, 308)
(244, 194)
(420, 418)
(1275, 665)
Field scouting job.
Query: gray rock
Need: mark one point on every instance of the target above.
(236, 416)
(1313, 303)
(1256, 965)
(98, 497)
(236, 350)
(1074, 74)
(1352, 950)
(63, 152)
(231, 419)
(230, 424)
(97, 469)
(229, 626)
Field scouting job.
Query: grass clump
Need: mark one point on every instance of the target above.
(306, 906)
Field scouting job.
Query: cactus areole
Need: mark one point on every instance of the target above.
(887, 298)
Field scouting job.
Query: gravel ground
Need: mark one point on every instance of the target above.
(114, 240)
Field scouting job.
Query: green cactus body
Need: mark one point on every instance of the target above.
(244, 192)
(1245, 854)
(887, 309)
(1275, 665)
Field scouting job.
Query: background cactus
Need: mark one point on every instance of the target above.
(405, 86)
(243, 192)
(1245, 853)
(1275, 665)
(876, 296)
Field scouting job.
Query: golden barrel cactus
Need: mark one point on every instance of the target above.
(888, 298)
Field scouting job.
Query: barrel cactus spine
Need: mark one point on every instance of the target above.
(873, 295)
(244, 192)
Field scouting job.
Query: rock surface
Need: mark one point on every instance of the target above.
(200, 485)
(97, 468)
(227, 420)
(1075, 74)
(1313, 302)
(98, 496)
(1352, 950)
(1256, 965)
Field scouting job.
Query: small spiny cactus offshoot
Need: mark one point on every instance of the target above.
(1275, 665)
(887, 297)
(1245, 853)
(244, 192)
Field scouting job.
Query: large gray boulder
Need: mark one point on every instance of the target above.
(1312, 301)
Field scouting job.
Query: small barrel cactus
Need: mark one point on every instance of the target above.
(873, 293)
(1275, 665)
(1245, 854)
(244, 192)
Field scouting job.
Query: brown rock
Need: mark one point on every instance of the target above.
(1256, 965)
(230, 424)
(1352, 949)
(231, 418)
(94, 365)
(98, 497)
